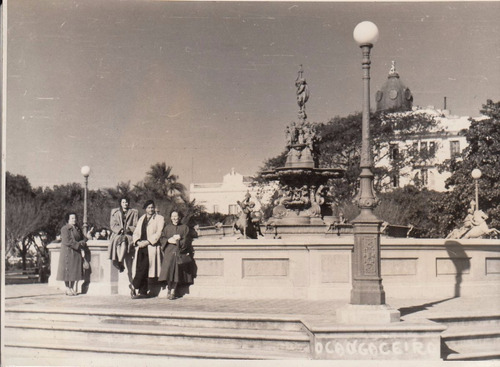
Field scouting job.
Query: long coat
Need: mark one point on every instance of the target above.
(153, 231)
(171, 272)
(127, 227)
(70, 258)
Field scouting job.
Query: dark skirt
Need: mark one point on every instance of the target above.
(172, 273)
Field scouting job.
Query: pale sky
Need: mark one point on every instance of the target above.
(204, 87)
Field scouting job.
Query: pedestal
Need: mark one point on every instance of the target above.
(367, 314)
(104, 277)
(392, 341)
(367, 286)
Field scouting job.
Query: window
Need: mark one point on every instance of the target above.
(432, 147)
(416, 179)
(394, 151)
(216, 208)
(395, 180)
(421, 178)
(423, 147)
(432, 180)
(454, 149)
(424, 177)
(233, 209)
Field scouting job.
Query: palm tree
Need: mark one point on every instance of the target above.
(123, 189)
(162, 182)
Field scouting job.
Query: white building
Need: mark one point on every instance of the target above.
(446, 141)
(446, 144)
(222, 197)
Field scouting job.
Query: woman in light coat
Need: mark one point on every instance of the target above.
(123, 222)
(147, 260)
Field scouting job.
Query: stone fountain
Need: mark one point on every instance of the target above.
(303, 187)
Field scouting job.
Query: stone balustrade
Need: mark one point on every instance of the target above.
(318, 267)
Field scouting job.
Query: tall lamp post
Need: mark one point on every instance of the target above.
(86, 173)
(367, 286)
(476, 175)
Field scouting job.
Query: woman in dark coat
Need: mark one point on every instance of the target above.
(73, 248)
(175, 241)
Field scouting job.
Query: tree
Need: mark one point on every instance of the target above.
(99, 208)
(23, 216)
(490, 109)
(18, 186)
(483, 150)
(160, 183)
(56, 202)
(410, 205)
(123, 189)
(272, 163)
(340, 145)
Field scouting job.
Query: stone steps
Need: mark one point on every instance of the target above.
(183, 319)
(475, 354)
(470, 337)
(27, 352)
(477, 321)
(179, 336)
(150, 335)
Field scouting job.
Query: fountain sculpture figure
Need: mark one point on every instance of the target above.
(302, 197)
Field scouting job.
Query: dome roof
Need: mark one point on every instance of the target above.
(394, 95)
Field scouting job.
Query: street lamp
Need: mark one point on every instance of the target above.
(367, 286)
(86, 173)
(476, 175)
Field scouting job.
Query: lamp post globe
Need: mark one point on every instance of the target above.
(365, 33)
(476, 175)
(85, 171)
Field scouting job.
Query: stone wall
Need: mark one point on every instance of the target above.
(319, 267)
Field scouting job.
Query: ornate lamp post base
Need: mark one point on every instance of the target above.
(367, 286)
(367, 293)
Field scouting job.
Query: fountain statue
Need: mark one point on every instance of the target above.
(248, 222)
(474, 225)
(303, 193)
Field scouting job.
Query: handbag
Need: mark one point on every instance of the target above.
(86, 264)
(183, 259)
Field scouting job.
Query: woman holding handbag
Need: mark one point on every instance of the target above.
(177, 268)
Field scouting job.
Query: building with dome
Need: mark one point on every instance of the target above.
(394, 95)
(446, 142)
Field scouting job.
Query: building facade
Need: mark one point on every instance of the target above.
(445, 142)
(222, 197)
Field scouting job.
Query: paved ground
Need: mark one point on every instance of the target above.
(41, 294)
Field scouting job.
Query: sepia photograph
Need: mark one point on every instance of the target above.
(271, 183)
